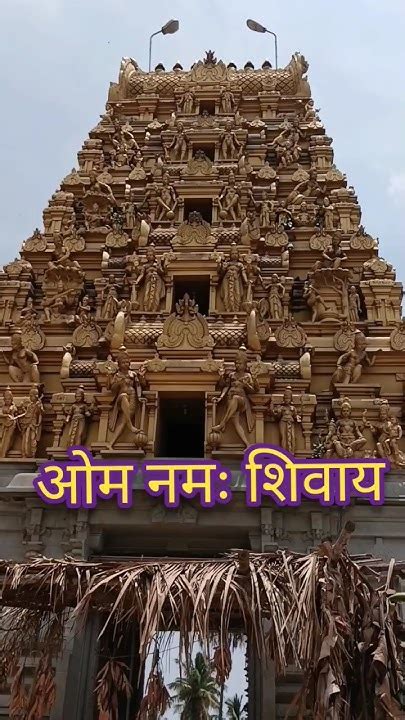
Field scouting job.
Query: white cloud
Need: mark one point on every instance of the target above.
(396, 187)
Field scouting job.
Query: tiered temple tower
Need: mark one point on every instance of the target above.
(202, 282)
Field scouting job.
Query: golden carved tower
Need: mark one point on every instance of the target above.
(203, 282)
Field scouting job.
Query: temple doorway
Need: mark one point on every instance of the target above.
(181, 427)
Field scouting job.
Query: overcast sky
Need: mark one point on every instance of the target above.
(57, 58)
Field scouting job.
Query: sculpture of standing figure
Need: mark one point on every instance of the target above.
(267, 211)
(23, 364)
(388, 432)
(186, 104)
(229, 143)
(276, 292)
(287, 417)
(76, 417)
(30, 423)
(111, 304)
(179, 145)
(8, 414)
(167, 200)
(354, 305)
(234, 281)
(237, 386)
(151, 276)
(227, 102)
(126, 387)
(229, 201)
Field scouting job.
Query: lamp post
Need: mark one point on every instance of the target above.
(256, 27)
(171, 27)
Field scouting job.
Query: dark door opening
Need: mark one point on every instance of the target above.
(207, 149)
(182, 427)
(198, 289)
(201, 205)
(207, 106)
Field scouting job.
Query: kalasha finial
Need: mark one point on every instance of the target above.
(210, 58)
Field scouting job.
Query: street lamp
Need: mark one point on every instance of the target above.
(256, 27)
(171, 27)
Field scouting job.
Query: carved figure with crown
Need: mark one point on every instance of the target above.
(237, 386)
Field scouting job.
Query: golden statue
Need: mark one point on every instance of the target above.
(8, 416)
(287, 416)
(151, 276)
(76, 417)
(126, 387)
(23, 363)
(388, 433)
(345, 438)
(229, 201)
(233, 281)
(237, 386)
(350, 364)
(30, 423)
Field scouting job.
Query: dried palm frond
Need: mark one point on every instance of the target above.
(112, 681)
(326, 613)
(156, 699)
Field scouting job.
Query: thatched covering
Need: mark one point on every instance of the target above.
(327, 613)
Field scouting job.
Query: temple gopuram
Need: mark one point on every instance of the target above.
(203, 282)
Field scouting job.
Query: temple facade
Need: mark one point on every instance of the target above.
(202, 282)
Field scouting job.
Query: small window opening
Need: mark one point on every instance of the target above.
(182, 427)
(201, 205)
(207, 106)
(206, 148)
(197, 289)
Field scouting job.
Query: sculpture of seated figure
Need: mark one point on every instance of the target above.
(333, 256)
(23, 363)
(61, 256)
(345, 437)
(350, 364)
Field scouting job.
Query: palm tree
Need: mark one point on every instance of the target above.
(234, 708)
(196, 693)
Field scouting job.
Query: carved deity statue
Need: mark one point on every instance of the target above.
(167, 200)
(276, 293)
(229, 201)
(345, 436)
(287, 416)
(178, 148)
(229, 143)
(314, 302)
(333, 256)
(388, 432)
(267, 211)
(354, 304)
(110, 304)
(8, 420)
(325, 216)
(228, 105)
(151, 277)
(237, 386)
(126, 387)
(286, 144)
(23, 363)
(233, 281)
(76, 418)
(250, 228)
(350, 364)
(186, 103)
(308, 188)
(30, 423)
